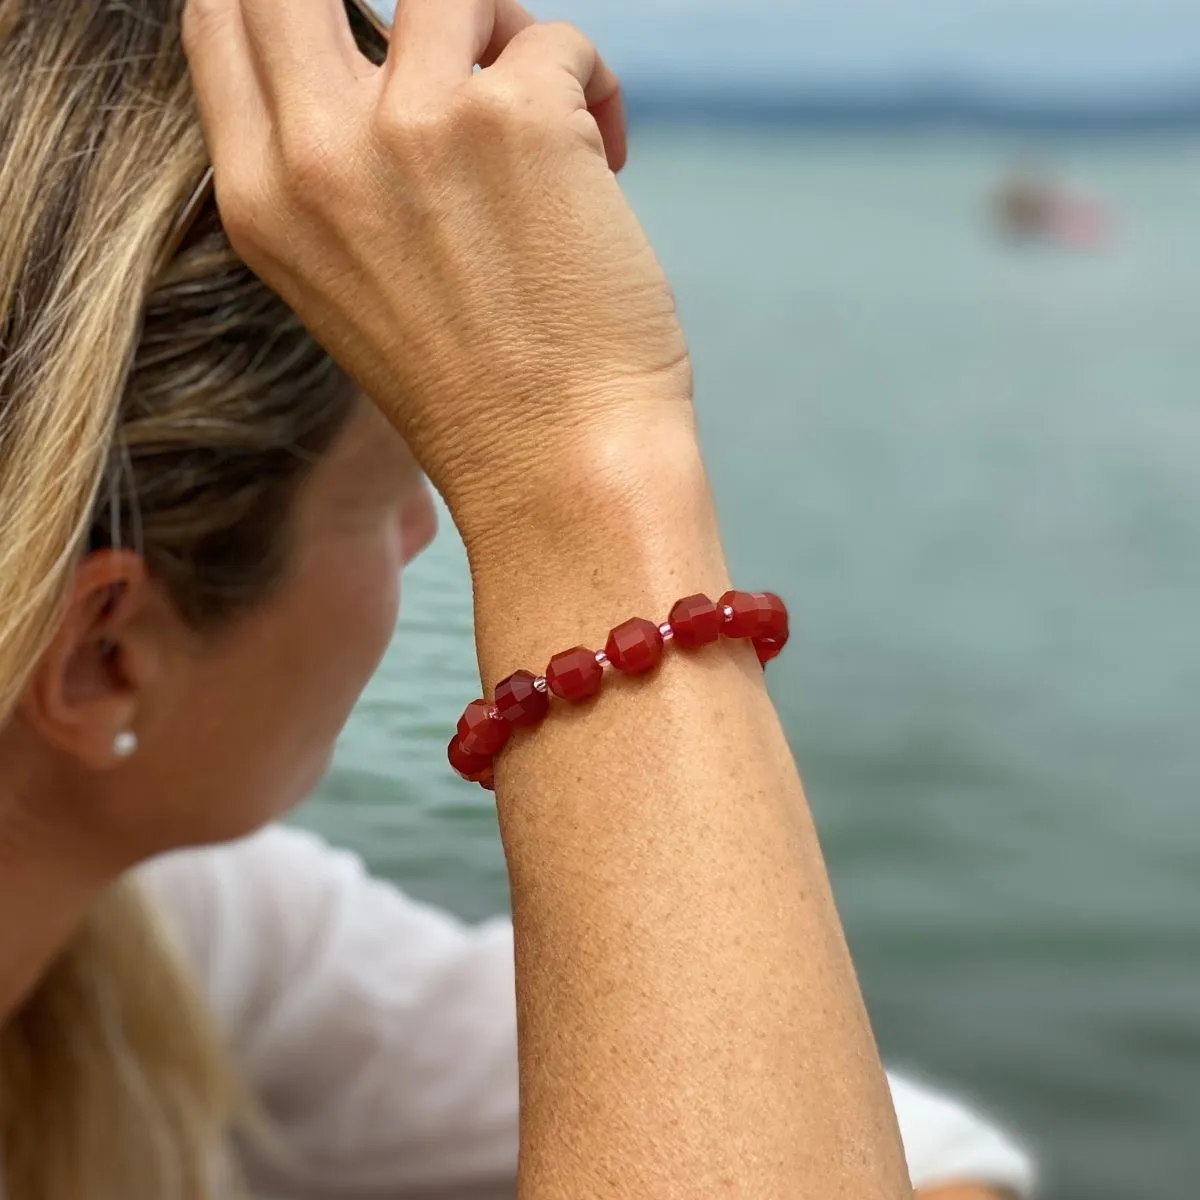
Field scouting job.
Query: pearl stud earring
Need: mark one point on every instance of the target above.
(125, 744)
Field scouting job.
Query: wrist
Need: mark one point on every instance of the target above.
(622, 523)
(617, 484)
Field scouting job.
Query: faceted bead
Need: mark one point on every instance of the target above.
(780, 621)
(768, 648)
(519, 701)
(481, 732)
(635, 647)
(575, 674)
(696, 621)
(470, 766)
(755, 615)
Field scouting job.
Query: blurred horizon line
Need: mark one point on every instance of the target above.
(913, 106)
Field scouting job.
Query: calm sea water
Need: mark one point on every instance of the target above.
(972, 470)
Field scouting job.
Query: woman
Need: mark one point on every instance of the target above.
(381, 1037)
(204, 523)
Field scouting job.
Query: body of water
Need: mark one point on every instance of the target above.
(971, 469)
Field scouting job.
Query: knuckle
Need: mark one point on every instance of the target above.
(495, 99)
(557, 33)
(476, 114)
(496, 105)
(412, 136)
(398, 120)
(569, 35)
(559, 43)
(493, 109)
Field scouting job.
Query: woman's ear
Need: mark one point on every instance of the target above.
(86, 690)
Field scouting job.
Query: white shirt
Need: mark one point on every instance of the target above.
(380, 1034)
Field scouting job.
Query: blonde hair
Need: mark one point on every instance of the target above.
(177, 413)
(114, 1083)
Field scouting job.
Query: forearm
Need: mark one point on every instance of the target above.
(457, 239)
(689, 1018)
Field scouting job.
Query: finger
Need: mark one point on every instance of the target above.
(558, 46)
(228, 94)
(436, 43)
(469, 33)
(610, 115)
(303, 51)
(569, 44)
(603, 94)
(510, 18)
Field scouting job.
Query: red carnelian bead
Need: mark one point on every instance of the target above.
(780, 624)
(768, 648)
(755, 615)
(470, 766)
(575, 674)
(480, 731)
(519, 702)
(696, 621)
(635, 647)
(487, 780)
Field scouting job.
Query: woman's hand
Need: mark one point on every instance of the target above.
(456, 238)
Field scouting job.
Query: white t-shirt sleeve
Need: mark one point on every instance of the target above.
(380, 1033)
(947, 1142)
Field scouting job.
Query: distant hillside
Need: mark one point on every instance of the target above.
(915, 107)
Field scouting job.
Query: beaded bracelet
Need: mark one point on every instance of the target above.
(634, 648)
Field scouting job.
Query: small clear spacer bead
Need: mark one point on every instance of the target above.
(728, 611)
(602, 658)
(667, 632)
(540, 683)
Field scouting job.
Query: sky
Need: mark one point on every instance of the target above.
(1090, 50)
